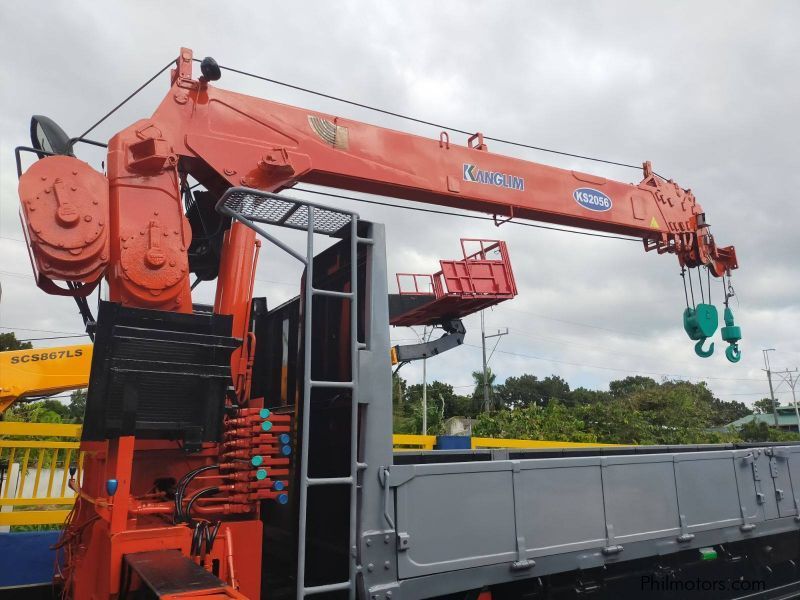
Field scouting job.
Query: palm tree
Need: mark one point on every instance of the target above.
(477, 395)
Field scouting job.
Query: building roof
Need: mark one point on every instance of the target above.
(786, 418)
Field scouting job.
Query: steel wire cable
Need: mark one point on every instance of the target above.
(466, 216)
(425, 122)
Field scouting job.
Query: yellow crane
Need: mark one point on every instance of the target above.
(43, 372)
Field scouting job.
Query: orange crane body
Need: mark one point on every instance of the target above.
(226, 139)
(132, 231)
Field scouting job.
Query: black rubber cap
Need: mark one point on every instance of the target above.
(210, 69)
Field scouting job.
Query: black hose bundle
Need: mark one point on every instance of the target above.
(180, 490)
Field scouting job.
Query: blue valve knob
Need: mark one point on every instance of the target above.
(261, 474)
(257, 461)
(286, 450)
(266, 425)
(278, 486)
(264, 413)
(284, 438)
(111, 486)
(283, 498)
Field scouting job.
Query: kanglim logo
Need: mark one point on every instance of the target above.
(475, 175)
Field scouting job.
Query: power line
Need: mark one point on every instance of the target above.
(38, 398)
(606, 350)
(57, 337)
(610, 330)
(425, 122)
(12, 274)
(604, 368)
(38, 330)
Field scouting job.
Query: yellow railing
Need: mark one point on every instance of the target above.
(403, 441)
(34, 488)
(482, 442)
(426, 442)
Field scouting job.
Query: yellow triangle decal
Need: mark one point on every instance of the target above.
(654, 224)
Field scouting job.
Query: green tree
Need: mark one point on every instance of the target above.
(551, 422)
(580, 396)
(402, 413)
(518, 392)
(528, 389)
(77, 406)
(398, 389)
(477, 395)
(8, 341)
(758, 431)
(40, 411)
(728, 411)
(553, 389)
(634, 383)
(679, 411)
(443, 403)
(764, 406)
(617, 422)
(460, 406)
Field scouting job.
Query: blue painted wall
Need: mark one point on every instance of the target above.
(26, 558)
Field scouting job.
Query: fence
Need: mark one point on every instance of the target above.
(35, 459)
(427, 442)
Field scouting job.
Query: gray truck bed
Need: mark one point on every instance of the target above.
(495, 520)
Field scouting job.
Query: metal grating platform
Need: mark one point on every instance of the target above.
(265, 207)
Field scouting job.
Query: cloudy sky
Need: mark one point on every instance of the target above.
(707, 91)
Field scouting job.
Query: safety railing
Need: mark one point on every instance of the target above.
(482, 442)
(427, 442)
(403, 441)
(35, 459)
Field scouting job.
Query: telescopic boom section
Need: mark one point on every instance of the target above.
(227, 139)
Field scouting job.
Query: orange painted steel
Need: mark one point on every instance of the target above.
(224, 139)
(461, 287)
(103, 526)
(64, 206)
(129, 227)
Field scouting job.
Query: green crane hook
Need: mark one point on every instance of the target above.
(733, 354)
(700, 324)
(698, 349)
(731, 333)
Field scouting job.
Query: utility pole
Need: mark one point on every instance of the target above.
(485, 337)
(769, 379)
(485, 374)
(425, 385)
(791, 378)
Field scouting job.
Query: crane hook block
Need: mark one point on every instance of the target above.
(700, 322)
(731, 333)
